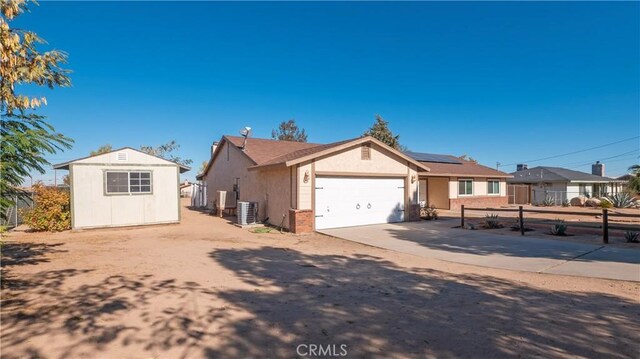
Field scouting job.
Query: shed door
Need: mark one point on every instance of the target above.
(344, 202)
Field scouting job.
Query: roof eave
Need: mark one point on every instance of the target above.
(436, 174)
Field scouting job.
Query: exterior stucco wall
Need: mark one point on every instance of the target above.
(350, 160)
(229, 164)
(92, 208)
(277, 195)
(305, 189)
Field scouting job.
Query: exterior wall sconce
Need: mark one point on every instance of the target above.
(413, 178)
(305, 179)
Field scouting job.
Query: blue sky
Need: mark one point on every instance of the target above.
(500, 81)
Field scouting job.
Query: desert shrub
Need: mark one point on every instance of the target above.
(429, 212)
(51, 210)
(632, 237)
(470, 226)
(548, 201)
(559, 228)
(491, 221)
(566, 203)
(621, 200)
(605, 204)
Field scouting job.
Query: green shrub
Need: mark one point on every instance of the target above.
(51, 211)
(605, 204)
(429, 212)
(559, 228)
(566, 203)
(621, 200)
(632, 237)
(549, 201)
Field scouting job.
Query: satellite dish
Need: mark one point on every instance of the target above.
(245, 131)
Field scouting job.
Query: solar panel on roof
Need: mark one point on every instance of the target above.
(431, 157)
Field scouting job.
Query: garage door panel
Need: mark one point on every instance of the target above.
(343, 202)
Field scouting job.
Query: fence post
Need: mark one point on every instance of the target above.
(521, 219)
(462, 216)
(605, 225)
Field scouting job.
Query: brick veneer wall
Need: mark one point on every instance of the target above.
(300, 220)
(414, 212)
(479, 201)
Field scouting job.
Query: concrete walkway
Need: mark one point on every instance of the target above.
(438, 240)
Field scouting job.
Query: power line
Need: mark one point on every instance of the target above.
(571, 153)
(584, 163)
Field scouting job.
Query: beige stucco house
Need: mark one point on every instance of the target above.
(124, 187)
(307, 186)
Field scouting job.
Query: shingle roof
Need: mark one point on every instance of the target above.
(554, 174)
(441, 165)
(303, 153)
(261, 150)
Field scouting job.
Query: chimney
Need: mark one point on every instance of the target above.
(521, 167)
(597, 169)
(213, 147)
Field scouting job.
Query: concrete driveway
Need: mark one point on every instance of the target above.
(438, 240)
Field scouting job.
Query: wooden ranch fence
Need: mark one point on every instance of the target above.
(521, 211)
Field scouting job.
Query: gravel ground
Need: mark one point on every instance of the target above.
(205, 288)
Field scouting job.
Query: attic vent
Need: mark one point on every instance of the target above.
(122, 156)
(365, 151)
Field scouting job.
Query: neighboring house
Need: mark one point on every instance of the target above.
(186, 189)
(563, 184)
(306, 186)
(124, 187)
(452, 182)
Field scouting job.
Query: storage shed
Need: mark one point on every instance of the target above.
(124, 187)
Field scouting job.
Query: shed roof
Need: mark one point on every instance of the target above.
(556, 174)
(65, 165)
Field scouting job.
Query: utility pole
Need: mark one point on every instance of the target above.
(497, 165)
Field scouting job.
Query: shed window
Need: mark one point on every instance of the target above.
(465, 187)
(121, 182)
(493, 187)
(366, 151)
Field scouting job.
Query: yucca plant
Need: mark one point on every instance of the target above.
(621, 200)
(491, 221)
(632, 237)
(559, 228)
(566, 203)
(548, 201)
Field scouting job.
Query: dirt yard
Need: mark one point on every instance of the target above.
(205, 288)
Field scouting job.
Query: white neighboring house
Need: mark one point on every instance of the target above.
(124, 187)
(186, 189)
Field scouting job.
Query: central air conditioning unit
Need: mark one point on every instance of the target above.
(247, 213)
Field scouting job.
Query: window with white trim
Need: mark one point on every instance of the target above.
(127, 182)
(465, 187)
(493, 186)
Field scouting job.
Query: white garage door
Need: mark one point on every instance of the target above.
(343, 202)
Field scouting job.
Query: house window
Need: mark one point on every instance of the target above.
(127, 182)
(493, 187)
(366, 151)
(465, 187)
